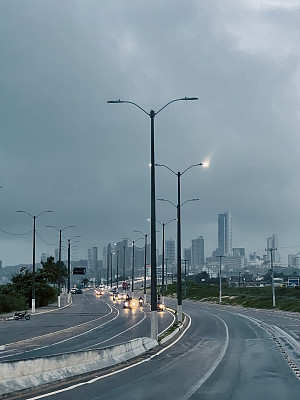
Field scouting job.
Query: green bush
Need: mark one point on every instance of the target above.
(10, 303)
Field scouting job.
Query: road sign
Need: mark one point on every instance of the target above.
(292, 282)
(79, 271)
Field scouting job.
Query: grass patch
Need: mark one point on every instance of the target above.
(287, 299)
(172, 328)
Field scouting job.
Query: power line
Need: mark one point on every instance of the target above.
(49, 244)
(15, 234)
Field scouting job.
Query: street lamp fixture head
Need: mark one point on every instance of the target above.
(205, 164)
(190, 98)
(115, 101)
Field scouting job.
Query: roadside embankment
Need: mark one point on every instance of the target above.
(25, 374)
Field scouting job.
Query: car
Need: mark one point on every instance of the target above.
(99, 291)
(76, 291)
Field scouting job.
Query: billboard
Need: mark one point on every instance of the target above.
(79, 271)
(292, 282)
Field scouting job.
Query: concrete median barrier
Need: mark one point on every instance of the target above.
(24, 374)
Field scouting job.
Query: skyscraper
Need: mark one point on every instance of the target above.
(198, 252)
(224, 234)
(170, 251)
(93, 260)
(272, 243)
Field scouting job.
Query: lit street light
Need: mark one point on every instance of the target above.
(34, 217)
(59, 256)
(179, 174)
(152, 114)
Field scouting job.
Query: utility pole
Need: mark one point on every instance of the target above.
(272, 271)
(111, 270)
(117, 270)
(220, 278)
(185, 261)
(166, 260)
(124, 271)
(107, 270)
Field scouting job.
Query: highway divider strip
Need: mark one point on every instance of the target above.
(25, 374)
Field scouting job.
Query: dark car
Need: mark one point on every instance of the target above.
(76, 291)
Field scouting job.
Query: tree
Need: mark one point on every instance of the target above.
(53, 272)
(21, 287)
(85, 282)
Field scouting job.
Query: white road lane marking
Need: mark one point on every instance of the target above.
(114, 372)
(214, 365)
(70, 338)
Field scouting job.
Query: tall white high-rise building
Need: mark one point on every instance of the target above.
(224, 234)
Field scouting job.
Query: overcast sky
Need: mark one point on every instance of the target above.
(63, 148)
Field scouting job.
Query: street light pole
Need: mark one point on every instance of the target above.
(220, 279)
(124, 269)
(145, 271)
(132, 272)
(69, 264)
(167, 273)
(34, 217)
(179, 292)
(107, 270)
(152, 114)
(117, 270)
(145, 264)
(33, 269)
(59, 257)
(69, 267)
(179, 283)
(163, 224)
(185, 277)
(111, 269)
(272, 270)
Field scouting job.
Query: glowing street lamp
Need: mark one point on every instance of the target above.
(152, 114)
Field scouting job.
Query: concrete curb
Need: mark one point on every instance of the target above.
(25, 374)
(7, 317)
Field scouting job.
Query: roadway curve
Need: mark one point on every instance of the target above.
(224, 355)
(89, 322)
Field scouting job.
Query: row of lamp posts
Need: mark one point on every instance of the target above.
(154, 318)
(34, 217)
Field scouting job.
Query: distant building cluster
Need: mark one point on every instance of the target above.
(118, 258)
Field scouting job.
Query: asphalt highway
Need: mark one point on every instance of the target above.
(223, 355)
(89, 322)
